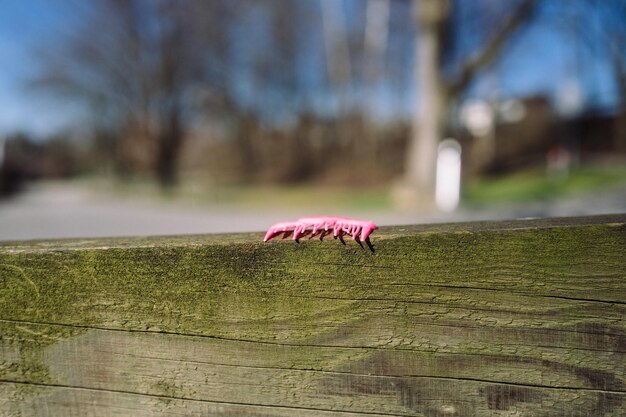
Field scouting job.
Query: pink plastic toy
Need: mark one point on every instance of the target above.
(360, 230)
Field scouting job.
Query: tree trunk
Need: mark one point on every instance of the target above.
(620, 114)
(429, 121)
(429, 118)
(170, 144)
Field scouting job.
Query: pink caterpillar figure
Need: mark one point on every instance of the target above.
(360, 230)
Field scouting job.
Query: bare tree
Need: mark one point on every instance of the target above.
(338, 60)
(376, 33)
(135, 75)
(600, 26)
(437, 92)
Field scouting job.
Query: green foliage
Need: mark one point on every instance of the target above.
(536, 185)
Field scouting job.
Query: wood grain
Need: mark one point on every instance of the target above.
(517, 318)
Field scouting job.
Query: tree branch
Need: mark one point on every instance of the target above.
(492, 47)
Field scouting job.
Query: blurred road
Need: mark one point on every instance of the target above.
(61, 210)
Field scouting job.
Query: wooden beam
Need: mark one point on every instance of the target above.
(519, 317)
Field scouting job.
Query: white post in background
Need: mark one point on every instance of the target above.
(448, 183)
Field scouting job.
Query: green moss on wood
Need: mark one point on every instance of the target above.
(536, 297)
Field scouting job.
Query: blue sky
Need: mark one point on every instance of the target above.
(543, 61)
(23, 24)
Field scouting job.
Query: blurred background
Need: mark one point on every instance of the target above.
(143, 117)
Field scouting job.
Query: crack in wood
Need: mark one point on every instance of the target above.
(269, 407)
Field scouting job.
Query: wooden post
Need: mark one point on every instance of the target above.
(521, 318)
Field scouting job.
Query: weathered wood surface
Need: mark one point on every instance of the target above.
(520, 318)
